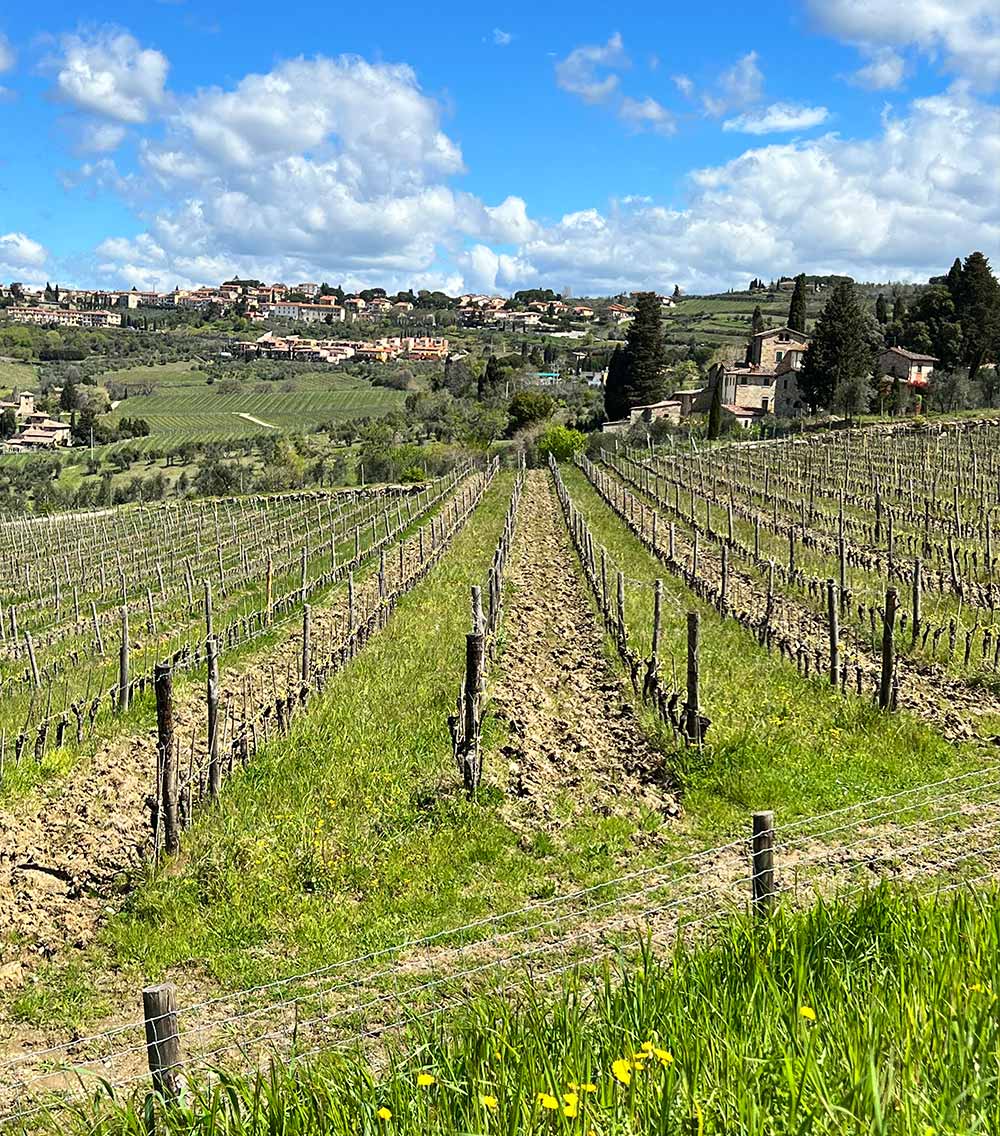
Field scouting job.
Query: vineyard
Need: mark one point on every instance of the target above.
(387, 784)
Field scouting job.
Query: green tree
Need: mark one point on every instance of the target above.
(68, 397)
(562, 442)
(639, 377)
(898, 310)
(932, 326)
(528, 407)
(8, 423)
(757, 323)
(715, 407)
(978, 307)
(616, 404)
(844, 348)
(852, 396)
(881, 310)
(797, 308)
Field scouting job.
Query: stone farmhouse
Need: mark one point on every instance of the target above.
(908, 366)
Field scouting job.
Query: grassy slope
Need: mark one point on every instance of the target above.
(875, 1017)
(778, 740)
(184, 408)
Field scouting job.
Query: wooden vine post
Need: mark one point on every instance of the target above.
(214, 767)
(832, 619)
(763, 880)
(123, 676)
(693, 652)
(888, 649)
(163, 1042)
(166, 755)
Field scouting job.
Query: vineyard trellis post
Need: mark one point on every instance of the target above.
(831, 612)
(693, 649)
(764, 890)
(214, 768)
(888, 649)
(163, 1041)
(167, 756)
(123, 677)
(306, 645)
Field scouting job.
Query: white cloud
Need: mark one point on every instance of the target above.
(647, 114)
(739, 86)
(964, 34)
(7, 56)
(336, 168)
(100, 137)
(778, 118)
(580, 72)
(502, 38)
(684, 84)
(884, 71)
(21, 258)
(828, 204)
(109, 74)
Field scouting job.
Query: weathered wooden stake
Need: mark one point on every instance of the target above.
(32, 661)
(832, 611)
(123, 678)
(915, 614)
(163, 1042)
(763, 875)
(888, 649)
(306, 645)
(693, 646)
(163, 687)
(214, 767)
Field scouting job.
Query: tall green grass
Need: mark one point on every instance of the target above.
(879, 1016)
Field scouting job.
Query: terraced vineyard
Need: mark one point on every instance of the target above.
(691, 685)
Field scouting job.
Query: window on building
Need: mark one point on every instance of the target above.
(778, 356)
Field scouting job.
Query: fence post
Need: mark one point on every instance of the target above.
(270, 590)
(93, 616)
(214, 768)
(36, 678)
(478, 624)
(724, 581)
(306, 633)
(163, 687)
(693, 709)
(471, 768)
(208, 610)
(163, 1042)
(764, 889)
(831, 615)
(123, 692)
(917, 582)
(888, 649)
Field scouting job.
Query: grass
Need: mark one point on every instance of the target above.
(877, 1016)
(183, 407)
(778, 740)
(15, 376)
(352, 833)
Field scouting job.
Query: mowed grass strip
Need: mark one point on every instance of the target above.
(876, 1016)
(777, 740)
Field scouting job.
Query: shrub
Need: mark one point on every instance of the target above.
(564, 444)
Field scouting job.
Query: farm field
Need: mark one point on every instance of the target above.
(182, 407)
(662, 656)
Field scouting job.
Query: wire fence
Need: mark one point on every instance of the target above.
(936, 836)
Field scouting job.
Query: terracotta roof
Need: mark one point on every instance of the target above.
(913, 356)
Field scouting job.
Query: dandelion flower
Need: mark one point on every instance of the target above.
(546, 1100)
(621, 1070)
(646, 1047)
(808, 1013)
(425, 1079)
(977, 988)
(663, 1056)
(571, 1111)
(588, 1087)
(488, 1102)
(571, 1098)
(384, 1114)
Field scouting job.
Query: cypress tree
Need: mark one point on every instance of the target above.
(953, 281)
(715, 408)
(978, 311)
(881, 310)
(616, 403)
(757, 323)
(843, 351)
(797, 308)
(644, 352)
(898, 310)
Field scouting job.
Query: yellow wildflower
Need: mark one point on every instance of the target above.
(384, 1114)
(546, 1100)
(425, 1079)
(621, 1070)
(808, 1013)
(647, 1047)
(571, 1111)
(663, 1056)
(571, 1098)
(977, 988)
(489, 1102)
(587, 1087)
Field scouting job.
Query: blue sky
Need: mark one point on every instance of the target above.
(539, 145)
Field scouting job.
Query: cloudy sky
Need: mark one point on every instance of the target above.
(500, 146)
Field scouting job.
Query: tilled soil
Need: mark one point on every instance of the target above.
(576, 745)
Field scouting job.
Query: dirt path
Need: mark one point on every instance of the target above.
(576, 745)
(256, 421)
